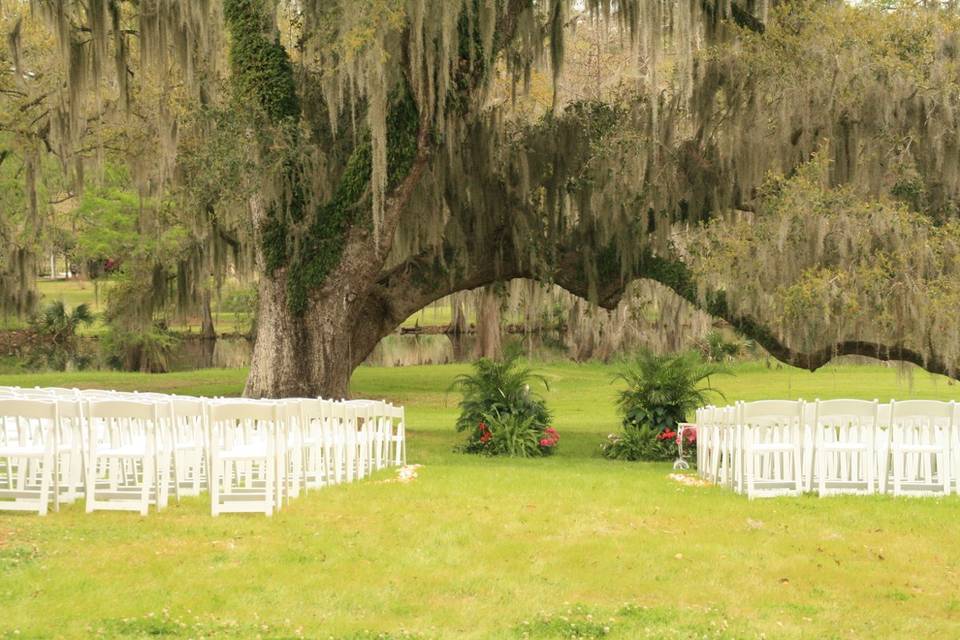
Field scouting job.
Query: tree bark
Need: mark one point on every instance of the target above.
(296, 355)
(488, 325)
(207, 331)
(458, 316)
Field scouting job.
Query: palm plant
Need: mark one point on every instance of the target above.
(499, 411)
(499, 387)
(59, 325)
(661, 391)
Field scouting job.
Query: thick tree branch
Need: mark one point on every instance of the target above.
(411, 286)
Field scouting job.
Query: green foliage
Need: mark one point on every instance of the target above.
(716, 348)
(513, 435)
(58, 325)
(498, 411)
(661, 391)
(499, 387)
(242, 302)
(56, 328)
(261, 69)
(263, 75)
(516, 435)
(321, 247)
(640, 442)
(147, 350)
(107, 223)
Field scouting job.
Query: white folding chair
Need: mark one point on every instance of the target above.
(71, 449)
(243, 456)
(190, 444)
(921, 432)
(29, 450)
(397, 422)
(845, 441)
(122, 470)
(772, 439)
(320, 453)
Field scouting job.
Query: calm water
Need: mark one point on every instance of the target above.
(393, 351)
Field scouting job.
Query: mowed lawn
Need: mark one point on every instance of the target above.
(566, 547)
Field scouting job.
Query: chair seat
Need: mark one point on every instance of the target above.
(921, 448)
(127, 451)
(244, 452)
(21, 452)
(844, 446)
(773, 446)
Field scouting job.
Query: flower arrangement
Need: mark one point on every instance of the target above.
(512, 435)
(499, 412)
(660, 391)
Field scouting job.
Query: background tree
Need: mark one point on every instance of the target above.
(385, 156)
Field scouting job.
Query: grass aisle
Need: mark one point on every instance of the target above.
(571, 546)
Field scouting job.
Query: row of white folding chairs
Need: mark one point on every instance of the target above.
(777, 447)
(127, 451)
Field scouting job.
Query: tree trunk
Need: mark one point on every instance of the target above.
(488, 325)
(207, 331)
(300, 355)
(458, 316)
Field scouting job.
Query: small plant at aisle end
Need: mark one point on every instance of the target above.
(661, 391)
(500, 413)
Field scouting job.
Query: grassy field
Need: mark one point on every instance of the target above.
(570, 546)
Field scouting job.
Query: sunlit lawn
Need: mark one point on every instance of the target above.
(483, 548)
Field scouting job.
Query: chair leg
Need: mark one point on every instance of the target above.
(148, 480)
(213, 484)
(46, 471)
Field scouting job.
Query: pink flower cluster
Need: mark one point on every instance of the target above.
(690, 435)
(485, 434)
(550, 437)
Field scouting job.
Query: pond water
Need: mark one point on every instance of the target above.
(393, 351)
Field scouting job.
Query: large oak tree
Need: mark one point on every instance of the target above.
(390, 164)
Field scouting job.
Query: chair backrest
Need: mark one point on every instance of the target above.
(833, 410)
(70, 408)
(921, 410)
(771, 411)
(187, 407)
(223, 410)
(314, 408)
(31, 409)
(122, 409)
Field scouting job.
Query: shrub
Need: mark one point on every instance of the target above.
(147, 350)
(58, 347)
(661, 391)
(59, 325)
(500, 413)
(716, 348)
(512, 435)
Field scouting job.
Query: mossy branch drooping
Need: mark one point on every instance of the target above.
(309, 244)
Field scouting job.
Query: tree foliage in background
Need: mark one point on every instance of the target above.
(363, 159)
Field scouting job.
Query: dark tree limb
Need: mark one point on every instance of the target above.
(409, 287)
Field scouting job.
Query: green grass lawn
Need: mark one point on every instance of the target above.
(570, 546)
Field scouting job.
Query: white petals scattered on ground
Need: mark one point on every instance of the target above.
(689, 480)
(406, 473)
(754, 524)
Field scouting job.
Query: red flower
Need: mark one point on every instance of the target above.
(485, 438)
(546, 442)
(482, 427)
(666, 435)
